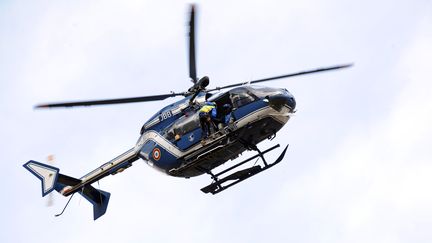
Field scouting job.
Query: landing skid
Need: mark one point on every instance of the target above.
(217, 185)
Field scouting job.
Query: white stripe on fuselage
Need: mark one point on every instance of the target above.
(175, 151)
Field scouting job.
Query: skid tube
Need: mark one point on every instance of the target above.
(238, 176)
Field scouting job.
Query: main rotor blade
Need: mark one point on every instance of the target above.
(192, 62)
(284, 76)
(109, 101)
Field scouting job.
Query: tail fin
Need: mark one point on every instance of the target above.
(98, 198)
(46, 173)
(51, 180)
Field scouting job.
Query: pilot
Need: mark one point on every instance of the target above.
(206, 114)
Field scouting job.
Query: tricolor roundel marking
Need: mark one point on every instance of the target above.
(156, 154)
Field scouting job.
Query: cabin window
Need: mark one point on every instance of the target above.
(183, 125)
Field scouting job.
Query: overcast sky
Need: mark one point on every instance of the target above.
(359, 164)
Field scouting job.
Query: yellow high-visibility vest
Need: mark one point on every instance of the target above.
(207, 108)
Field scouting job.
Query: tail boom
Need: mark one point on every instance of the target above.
(122, 161)
(51, 180)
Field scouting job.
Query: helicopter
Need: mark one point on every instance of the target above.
(173, 140)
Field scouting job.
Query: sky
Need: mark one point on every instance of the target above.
(358, 166)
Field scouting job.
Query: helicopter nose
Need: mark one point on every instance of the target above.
(280, 100)
(292, 102)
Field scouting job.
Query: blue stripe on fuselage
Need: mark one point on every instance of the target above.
(248, 109)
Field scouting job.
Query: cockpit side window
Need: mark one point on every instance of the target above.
(242, 98)
(262, 92)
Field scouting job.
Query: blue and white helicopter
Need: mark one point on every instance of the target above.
(172, 140)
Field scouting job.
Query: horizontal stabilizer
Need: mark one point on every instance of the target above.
(46, 173)
(64, 183)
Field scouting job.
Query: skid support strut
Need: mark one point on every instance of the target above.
(217, 185)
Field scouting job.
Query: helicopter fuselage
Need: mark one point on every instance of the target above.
(172, 140)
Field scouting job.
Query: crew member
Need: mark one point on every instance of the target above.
(226, 112)
(224, 116)
(206, 114)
